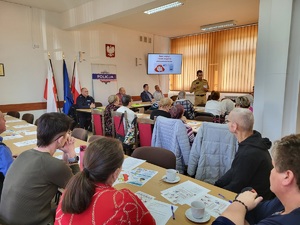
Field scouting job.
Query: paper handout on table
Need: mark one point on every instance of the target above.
(22, 126)
(10, 137)
(213, 205)
(130, 163)
(160, 211)
(182, 193)
(12, 121)
(145, 198)
(24, 143)
(30, 132)
(138, 176)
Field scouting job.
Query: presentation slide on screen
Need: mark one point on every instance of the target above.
(164, 63)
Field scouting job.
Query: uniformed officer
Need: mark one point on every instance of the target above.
(200, 87)
(84, 101)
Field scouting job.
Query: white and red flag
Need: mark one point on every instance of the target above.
(75, 86)
(50, 92)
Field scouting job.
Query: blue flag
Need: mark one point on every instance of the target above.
(68, 97)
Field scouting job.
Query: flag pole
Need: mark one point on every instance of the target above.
(57, 98)
(73, 77)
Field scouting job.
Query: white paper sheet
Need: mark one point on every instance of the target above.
(22, 126)
(30, 132)
(182, 193)
(130, 163)
(10, 137)
(12, 121)
(213, 205)
(25, 143)
(160, 211)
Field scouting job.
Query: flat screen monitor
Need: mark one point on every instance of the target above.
(162, 64)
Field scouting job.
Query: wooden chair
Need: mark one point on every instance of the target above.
(14, 114)
(94, 138)
(80, 133)
(28, 117)
(157, 156)
(145, 127)
(98, 122)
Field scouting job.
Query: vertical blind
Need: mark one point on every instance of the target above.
(227, 59)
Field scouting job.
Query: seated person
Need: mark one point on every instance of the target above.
(285, 183)
(113, 104)
(146, 95)
(90, 196)
(127, 101)
(35, 175)
(228, 105)
(84, 101)
(120, 94)
(158, 95)
(189, 111)
(252, 163)
(214, 106)
(6, 158)
(177, 112)
(163, 110)
(243, 102)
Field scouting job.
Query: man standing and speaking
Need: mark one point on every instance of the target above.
(200, 87)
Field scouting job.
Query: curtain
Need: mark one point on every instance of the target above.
(227, 59)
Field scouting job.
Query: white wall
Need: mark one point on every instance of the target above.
(276, 95)
(27, 35)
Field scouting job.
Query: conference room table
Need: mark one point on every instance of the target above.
(21, 136)
(135, 105)
(19, 131)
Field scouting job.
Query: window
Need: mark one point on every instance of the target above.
(226, 57)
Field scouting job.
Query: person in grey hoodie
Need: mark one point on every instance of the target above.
(252, 163)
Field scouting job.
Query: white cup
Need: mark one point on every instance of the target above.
(198, 209)
(171, 174)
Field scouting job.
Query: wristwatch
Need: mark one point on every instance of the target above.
(74, 159)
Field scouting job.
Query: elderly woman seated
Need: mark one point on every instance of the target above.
(177, 112)
(113, 101)
(243, 102)
(163, 110)
(89, 197)
(214, 106)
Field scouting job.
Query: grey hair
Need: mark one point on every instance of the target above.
(243, 117)
(181, 94)
(112, 99)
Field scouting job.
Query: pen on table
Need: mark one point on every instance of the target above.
(173, 214)
(222, 196)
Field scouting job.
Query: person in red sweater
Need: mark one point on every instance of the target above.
(89, 197)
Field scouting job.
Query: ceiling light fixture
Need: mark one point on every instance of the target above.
(217, 26)
(164, 7)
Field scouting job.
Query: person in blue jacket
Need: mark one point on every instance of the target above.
(6, 158)
(285, 183)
